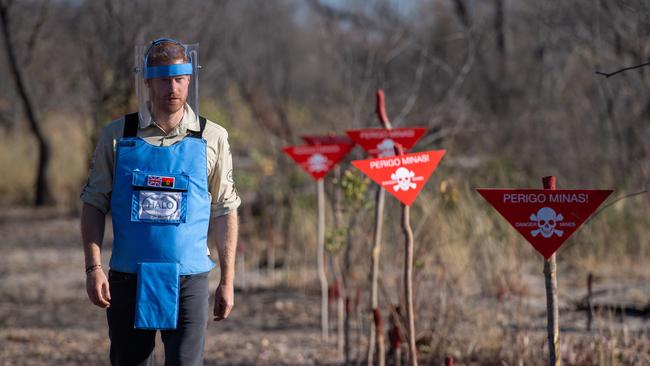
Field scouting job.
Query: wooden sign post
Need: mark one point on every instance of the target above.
(547, 218)
(318, 160)
(381, 142)
(403, 176)
(338, 289)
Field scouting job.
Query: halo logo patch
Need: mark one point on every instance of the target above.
(159, 205)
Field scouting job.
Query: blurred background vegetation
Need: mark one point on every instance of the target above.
(507, 87)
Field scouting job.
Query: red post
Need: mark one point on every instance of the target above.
(379, 326)
(408, 244)
(381, 110)
(395, 337)
(375, 339)
(549, 182)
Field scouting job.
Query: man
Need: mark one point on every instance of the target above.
(165, 174)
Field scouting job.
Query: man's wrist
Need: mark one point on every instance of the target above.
(227, 281)
(93, 268)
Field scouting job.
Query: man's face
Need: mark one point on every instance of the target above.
(168, 94)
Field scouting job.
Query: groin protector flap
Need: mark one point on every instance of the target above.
(157, 296)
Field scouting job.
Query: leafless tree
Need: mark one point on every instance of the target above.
(42, 189)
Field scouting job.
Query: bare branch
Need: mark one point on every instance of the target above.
(462, 13)
(363, 90)
(6, 5)
(330, 12)
(36, 32)
(617, 199)
(606, 75)
(410, 101)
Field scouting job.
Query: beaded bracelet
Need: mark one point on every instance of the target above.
(93, 267)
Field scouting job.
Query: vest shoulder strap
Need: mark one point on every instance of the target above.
(202, 123)
(131, 122)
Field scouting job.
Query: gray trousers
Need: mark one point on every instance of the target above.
(183, 346)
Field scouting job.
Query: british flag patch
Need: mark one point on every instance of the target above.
(154, 181)
(158, 181)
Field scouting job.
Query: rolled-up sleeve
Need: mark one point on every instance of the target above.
(97, 190)
(225, 198)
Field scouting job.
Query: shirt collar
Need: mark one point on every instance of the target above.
(188, 122)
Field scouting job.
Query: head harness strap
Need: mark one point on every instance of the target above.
(166, 70)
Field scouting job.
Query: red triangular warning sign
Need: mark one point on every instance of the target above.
(317, 160)
(546, 218)
(402, 176)
(380, 142)
(327, 139)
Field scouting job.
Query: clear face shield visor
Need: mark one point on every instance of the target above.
(144, 75)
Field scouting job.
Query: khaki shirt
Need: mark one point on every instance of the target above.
(97, 191)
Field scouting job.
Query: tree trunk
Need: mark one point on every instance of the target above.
(501, 79)
(500, 38)
(42, 189)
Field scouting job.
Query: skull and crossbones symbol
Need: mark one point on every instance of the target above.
(317, 163)
(386, 148)
(547, 220)
(402, 177)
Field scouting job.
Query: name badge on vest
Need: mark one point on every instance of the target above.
(159, 198)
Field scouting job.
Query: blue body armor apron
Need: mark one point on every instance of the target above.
(160, 206)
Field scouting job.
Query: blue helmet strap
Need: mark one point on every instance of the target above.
(162, 71)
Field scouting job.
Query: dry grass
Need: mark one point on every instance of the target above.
(67, 172)
(480, 293)
(479, 285)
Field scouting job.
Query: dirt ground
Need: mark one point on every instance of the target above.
(46, 318)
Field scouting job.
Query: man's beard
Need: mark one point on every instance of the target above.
(172, 104)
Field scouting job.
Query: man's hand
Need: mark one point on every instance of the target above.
(97, 288)
(224, 300)
(223, 231)
(92, 234)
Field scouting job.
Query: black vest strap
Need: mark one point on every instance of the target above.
(131, 123)
(202, 123)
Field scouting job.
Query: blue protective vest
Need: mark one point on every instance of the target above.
(160, 203)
